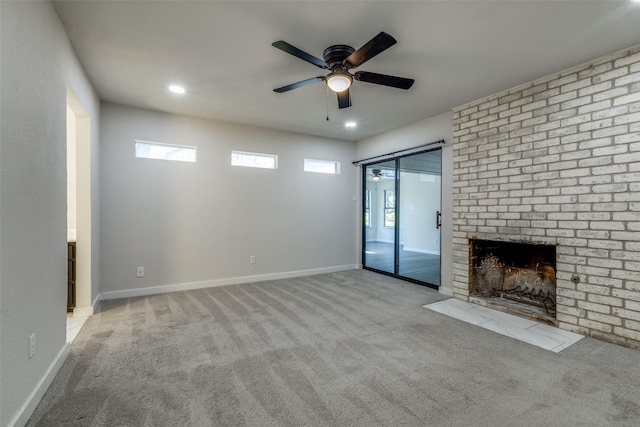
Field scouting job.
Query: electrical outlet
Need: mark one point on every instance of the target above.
(32, 345)
(140, 272)
(252, 259)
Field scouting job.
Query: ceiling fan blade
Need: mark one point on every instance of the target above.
(299, 84)
(344, 99)
(286, 47)
(383, 79)
(379, 43)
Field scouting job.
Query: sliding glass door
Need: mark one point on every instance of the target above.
(380, 217)
(419, 217)
(401, 217)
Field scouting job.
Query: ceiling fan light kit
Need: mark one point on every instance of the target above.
(339, 81)
(339, 59)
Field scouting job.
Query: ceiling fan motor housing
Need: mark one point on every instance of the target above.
(335, 55)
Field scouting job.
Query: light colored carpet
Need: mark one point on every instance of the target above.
(343, 349)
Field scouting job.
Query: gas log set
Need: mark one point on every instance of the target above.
(518, 276)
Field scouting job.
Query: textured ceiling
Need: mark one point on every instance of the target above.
(457, 51)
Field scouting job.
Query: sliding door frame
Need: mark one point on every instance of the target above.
(396, 249)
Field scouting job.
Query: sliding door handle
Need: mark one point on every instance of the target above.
(438, 219)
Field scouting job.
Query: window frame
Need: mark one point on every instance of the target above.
(368, 223)
(390, 208)
(193, 148)
(309, 162)
(274, 157)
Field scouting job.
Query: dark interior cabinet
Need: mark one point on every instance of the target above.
(71, 276)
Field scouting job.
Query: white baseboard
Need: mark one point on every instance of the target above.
(36, 395)
(129, 293)
(83, 311)
(407, 248)
(96, 303)
(420, 250)
(87, 311)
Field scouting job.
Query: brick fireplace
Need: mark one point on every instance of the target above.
(516, 277)
(556, 163)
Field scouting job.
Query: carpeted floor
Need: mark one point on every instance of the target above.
(343, 349)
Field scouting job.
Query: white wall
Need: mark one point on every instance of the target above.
(425, 131)
(419, 202)
(382, 233)
(72, 226)
(192, 224)
(36, 65)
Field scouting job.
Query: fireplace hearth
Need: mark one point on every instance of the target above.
(518, 277)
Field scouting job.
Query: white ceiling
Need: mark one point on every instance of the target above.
(457, 51)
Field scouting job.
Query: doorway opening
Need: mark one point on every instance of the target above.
(401, 217)
(79, 304)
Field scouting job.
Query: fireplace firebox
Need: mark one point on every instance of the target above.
(517, 277)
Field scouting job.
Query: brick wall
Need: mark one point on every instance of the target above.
(557, 161)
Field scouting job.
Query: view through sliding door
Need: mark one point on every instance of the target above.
(380, 217)
(401, 217)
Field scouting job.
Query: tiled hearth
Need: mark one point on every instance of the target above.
(557, 162)
(525, 330)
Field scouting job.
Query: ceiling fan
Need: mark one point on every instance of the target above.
(378, 174)
(339, 59)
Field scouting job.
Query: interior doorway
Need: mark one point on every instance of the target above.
(79, 232)
(401, 217)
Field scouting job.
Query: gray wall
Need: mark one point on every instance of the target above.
(425, 131)
(197, 224)
(36, 66)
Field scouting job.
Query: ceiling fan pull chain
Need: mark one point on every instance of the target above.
(327, 98)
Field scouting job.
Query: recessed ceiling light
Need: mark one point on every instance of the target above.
(176, 89)
(350, 124)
